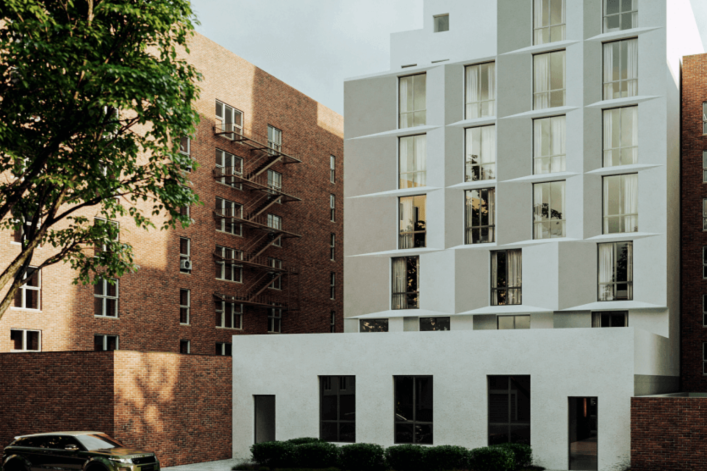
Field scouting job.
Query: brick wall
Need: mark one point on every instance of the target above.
(176, 405)
(668, 434)
(693, 238)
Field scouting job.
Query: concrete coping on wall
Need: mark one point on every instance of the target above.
(677, 394)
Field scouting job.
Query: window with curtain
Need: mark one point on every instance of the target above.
(621, 203)
(506, 277)
(480, 90)
(337, 408)
(413, 161)
(373, 325)
(480, 216)
(549, 80)
(413, 104)
(548, 210)
(549, 144)
(620, 15)
(480, 162)
(621, 136)
(412, 222)
(548, 21)
(615, 271)
(406, 279)
(413, 409)
(621, 69)
(509, 409)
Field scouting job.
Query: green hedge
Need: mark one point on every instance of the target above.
(492, 458)
(406, 457)
(275, 454)
(362, 457)
(446, 457)
(303, 440)
(522, 454)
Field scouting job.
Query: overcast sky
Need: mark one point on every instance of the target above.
(312, 45)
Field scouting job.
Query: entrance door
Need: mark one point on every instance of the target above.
(583, 433)
(264, 418)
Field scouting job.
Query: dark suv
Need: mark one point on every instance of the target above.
(74, 451)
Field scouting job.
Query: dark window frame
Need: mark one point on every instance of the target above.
(510, 423)
(399, 419)
(332, 386)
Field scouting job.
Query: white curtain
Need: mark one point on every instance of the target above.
(632, 72)
(541, 81)
(487, 149)
(472, 92)
(406, 222)
(405, 160)
(399, 271)
(608, 137)
(405, 82)
(491, 72)
(515, 275)
(630, 203)
(630, 119)
(608, 70)
(471, 201)
(559, 136)
(420, 165)
(606, 271)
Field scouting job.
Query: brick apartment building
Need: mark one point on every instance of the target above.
(263, 254)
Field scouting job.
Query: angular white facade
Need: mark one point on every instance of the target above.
(606, 190)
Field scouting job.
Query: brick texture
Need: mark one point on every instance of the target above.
(668, 434)
(178, 406)
(693, 191)
(149, 299)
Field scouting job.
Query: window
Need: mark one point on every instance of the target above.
(26, 340)
(29, 295)
(105, 297)
(704, 117)
(274, 139)
(332, 285)
(373, 325)
(229, 315)
(105, 343)
(185, 145)
(620, 15)
(621, 136)
(549, 80)
(229, 120)
(332, 247)
(548, 21)
(548, 210)
(332, 169)
(229, 165)
(509, 409)
(549, 137)
(413, 161)
(223, 349)
(615, 271)
(413, 101)
(621, 69)
(506, 277)
(276, 276)
(108, 227)
(185, 347)
(229, 211)
(704, 167)
(621, 203)
(480, 216)
(275, 222)
(332, 322)
(185, 210)
(184, 255)
(480, 90)
(704, 358)
(413, 409)
(441, 23)
(406, 294)
(480, 163)
(274, 181)
(704, 263)
(337, 408)
(412, 222)
(184, 306)
(226, 267)
(704, 310)
(332, 208)
(704, 214)
(274, 320)
(610, 319)
(429, 324)
(513, 322)
(19, 235)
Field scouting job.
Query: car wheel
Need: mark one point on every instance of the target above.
(14, 466)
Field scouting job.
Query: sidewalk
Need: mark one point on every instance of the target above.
(222, 465)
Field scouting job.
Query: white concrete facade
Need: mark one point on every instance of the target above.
(564, 356)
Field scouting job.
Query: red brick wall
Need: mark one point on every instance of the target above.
(693, 190)
(149, 299)
(178, 406)
(668, 434)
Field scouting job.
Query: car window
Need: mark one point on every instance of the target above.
(54, 442)
(28, 441)
(95, 441)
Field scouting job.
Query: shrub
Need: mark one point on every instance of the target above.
(446, 457)
(362, 457)
(303, 440)
(491, 459)
(522, 454)
(406, 457)
(317, 455)
(274, 454)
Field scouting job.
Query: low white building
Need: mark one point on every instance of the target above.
(512, 191)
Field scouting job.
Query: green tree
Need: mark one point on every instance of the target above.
(94, 97)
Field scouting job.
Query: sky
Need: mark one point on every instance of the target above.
(312, 45)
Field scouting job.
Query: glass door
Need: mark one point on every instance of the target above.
(583, 433)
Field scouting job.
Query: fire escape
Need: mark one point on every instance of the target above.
(263, 194)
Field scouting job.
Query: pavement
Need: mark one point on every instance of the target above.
(221, 465)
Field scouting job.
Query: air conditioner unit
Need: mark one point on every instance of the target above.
(185, 264)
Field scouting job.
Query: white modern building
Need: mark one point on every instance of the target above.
(511, 237)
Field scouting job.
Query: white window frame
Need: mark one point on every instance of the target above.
(104, 338)
(226, 110)
(704, 166)
(274, 320)
(704, 117)
(234, 208)
(181, 147)
(412, 112)
(620, 126)
(236, 269)
(419, 175)
(188, 342)
(538, 221)
(332, 169)
(24, 340)
(225, 160)
(479, 104)
(274, 139)
(332, 285)
(620, 14)
(622, 197)
(332, 247)
(236, 315)
(184, 256)
(104, 297)
(620, 80)
(557, 160)
(487, 169)
(24, 288)
(275, 263)
(332, 208)
(550, 91)
(222, 349)
(186, 306)
(537, 5)
(103, 247)
(275, 222)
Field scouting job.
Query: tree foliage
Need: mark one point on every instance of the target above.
(94, 97)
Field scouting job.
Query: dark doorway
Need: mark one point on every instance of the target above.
(264, 418)
(583, 433)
